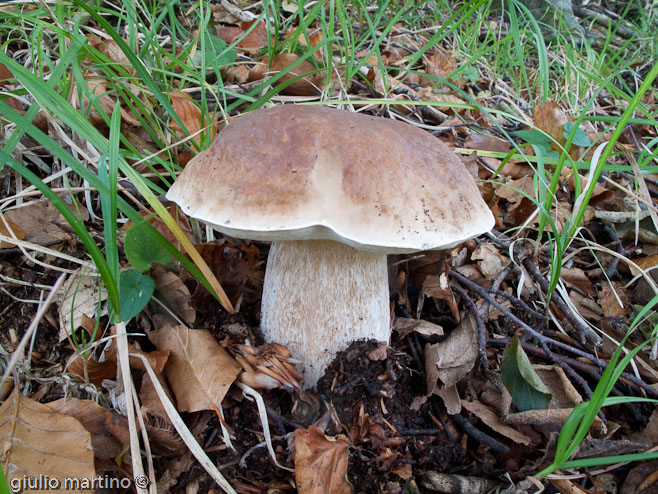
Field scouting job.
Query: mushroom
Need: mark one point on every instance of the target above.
(335, 191)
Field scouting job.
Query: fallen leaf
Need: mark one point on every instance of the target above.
(252, 42)
(110, 49)
(93, 417)
(81, 296)
(577, 277)
(489, 417)
(321, 462)
(484, 142)
(5, 226)
(524, 384)
(41, 222)
(199, 370)
(39, 442)
(190, 115)
(551, 119)
(174, 294)
(447, 362)
(308, 85)
(404, 326)
(490, 261)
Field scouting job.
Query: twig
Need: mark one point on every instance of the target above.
(601, 363)
(480, 436)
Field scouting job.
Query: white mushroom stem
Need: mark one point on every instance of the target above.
(321, 295)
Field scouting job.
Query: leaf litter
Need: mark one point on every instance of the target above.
(425, 410)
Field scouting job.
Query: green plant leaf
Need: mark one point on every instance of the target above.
(524, 384)
(135, 290)
(143, 248)
(580, 137)
(534, 137)
(217, 53)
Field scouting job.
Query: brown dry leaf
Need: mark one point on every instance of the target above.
(483, 142)
(309, 85)
(252, 42)
(321, 463)
(566, 486)
(41, 222)
(490, 418)
(438, 288)
(447, 362)
(90, 414)
(190, 114)
(5, 228)
(641, 479)
(490, 261)
(236, 74)
(107, 100)
(237, 269)
(404, 326)
(110, 49)
(171, 290)
(314, 38)
(644, 263)
(577, 277)
(550, 420)
(90, 370)
(610, 303)
(199, 370)
(586, 306)
(426, 94)
(80, 296)
(38, 441)
(93, 417)
(551, 119)
(5, 73)
(600, 193)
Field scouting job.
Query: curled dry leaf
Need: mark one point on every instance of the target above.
(404, 326)
(321, 462)
(490, 261)
(447, 362)
(39, 442)
(199, 370)
(80, 296)
(613, 299)
(111, 50)
(106, 99)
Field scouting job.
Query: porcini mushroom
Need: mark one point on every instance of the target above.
(335, 191)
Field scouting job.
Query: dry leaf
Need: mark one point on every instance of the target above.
(39, 442)
(41, 222)
(586, 306)
(490, 418)
(577, 277)
(490, 261)
(199, 370)
(551, 119)
(405, 326)
(110, 49)
(252, 42)
(160, 226)
(90, 370)
(309, 85)
(610, 303)
(107, 101)
(5, 226)
(93, 417)
(321, 462)
(190, 114)
(483, 142)
(175, 295)
(80, 296)
(447, 362)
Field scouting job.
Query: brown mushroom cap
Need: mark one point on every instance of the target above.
(306, 172)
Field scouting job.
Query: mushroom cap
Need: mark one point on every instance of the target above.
(306, 172)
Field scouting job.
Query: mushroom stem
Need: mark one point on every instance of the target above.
(321, 295)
